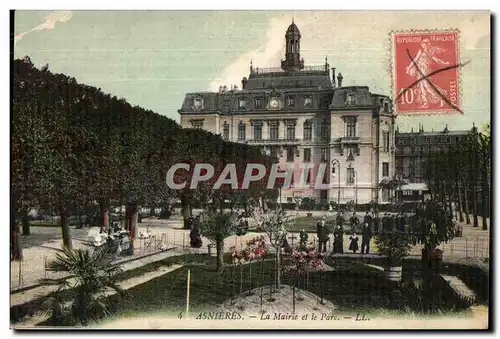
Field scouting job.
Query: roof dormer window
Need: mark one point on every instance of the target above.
(198, 103)
(349, 99)
(242, 104)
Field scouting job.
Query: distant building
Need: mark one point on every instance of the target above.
(303, 114)
(413, 147)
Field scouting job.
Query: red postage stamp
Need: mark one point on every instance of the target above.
(426, 72)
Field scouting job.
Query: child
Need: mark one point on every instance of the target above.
(354, 243)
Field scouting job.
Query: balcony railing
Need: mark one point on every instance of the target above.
(277, 71)
(273, 141)
(347, 140)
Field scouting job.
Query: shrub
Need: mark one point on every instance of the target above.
(395, 246)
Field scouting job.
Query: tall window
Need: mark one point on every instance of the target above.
(385, 169)
(307, 101)
(324, 154)
(274, 152)
(307, 154)
(257, 132)
(225, 131)
(290, 132)
(308, 178)
(241, 131)
(258, 102)
(350, 176)
(290, 101)
(325, 130)
(307, 130)
(386, 141)
(197, 124)
(290, 154)
(351, 127)
(273, 131)
(242, 104)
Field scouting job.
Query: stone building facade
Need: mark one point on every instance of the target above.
(304, 115)
(412, 149)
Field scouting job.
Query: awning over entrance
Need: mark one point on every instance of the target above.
(415, 187)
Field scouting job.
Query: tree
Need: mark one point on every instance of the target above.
(89, 275)
(217, 226)
(276, 225)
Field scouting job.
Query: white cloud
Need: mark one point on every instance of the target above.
(48, 24)
(268, 55)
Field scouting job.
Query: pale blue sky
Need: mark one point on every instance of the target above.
(152, 58)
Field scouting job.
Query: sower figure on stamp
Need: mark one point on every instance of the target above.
(420, 67)
(365, 240)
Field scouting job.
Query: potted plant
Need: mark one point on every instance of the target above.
(395, 246)
(436, 226)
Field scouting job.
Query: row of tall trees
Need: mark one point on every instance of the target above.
(461, 174)
(73, 145)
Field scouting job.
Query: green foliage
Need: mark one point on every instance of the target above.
(217, 226)
(395, 246)
(88, 275)
(434, 225)
(308, 204)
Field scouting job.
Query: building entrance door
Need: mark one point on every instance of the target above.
(323, 195)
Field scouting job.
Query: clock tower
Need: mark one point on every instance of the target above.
(292, 61)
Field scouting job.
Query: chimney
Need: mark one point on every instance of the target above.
(220, 89)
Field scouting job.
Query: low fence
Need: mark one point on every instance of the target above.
(33, 268)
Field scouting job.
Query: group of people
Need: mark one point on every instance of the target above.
(323, 234)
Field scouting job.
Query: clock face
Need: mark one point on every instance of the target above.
(273, 103)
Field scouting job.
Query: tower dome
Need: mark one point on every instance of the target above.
(292, 61)
(293, 29)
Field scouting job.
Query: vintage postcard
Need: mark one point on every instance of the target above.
(250, 170)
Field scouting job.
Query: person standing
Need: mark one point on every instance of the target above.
(322, 234)
(354, 222)
(340, 219)
(367, 219)
(365, 240)
(353, 246)
(303, 237)
(338, 241)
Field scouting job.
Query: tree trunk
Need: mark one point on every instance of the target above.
(475, 222)
(78, 218)
(466, 198)
(220, 251)
(26, 223)
(104, 208)
(278, 266)
(66, 236)
(460, 205)
(16, 250)
(132, 220)
(484, 199)
(186, 212)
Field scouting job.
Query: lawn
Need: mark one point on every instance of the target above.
(352, 286)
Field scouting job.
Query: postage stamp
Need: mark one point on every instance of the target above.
(426, 72)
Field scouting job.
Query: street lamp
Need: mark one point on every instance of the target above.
(336, 164)
(356, 185)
